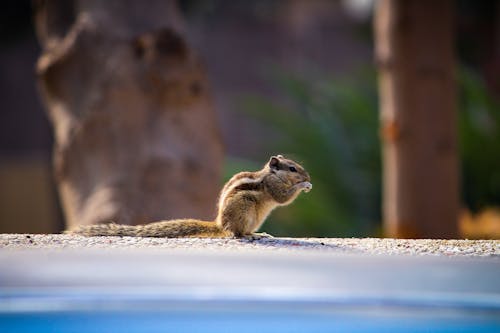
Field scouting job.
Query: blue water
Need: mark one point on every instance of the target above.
(247, 320)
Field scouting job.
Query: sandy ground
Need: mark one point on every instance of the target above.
(382, 246)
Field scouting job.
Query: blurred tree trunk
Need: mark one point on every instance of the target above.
(414, 54)
(136, 138)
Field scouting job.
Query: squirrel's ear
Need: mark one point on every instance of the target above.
(274, 162)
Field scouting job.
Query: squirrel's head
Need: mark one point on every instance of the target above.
(288, 169)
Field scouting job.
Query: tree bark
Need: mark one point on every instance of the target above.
(414, 54)
(136, 138)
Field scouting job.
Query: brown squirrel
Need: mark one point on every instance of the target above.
(244, 203)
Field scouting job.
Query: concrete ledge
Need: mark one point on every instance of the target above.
(379, 246)
(268, 285)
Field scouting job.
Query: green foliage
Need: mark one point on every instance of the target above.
(331, 127)
(479, 134)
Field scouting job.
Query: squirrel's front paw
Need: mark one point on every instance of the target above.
(306, 186)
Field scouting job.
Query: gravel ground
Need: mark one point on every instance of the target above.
(379, 246)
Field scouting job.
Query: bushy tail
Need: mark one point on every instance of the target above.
(168, 229)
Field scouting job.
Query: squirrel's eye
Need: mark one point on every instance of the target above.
(292, 169)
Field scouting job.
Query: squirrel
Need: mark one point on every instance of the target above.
(244, 203)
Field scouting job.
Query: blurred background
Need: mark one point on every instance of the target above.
(295, 77)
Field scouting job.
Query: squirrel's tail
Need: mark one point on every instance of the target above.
(168, 229)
